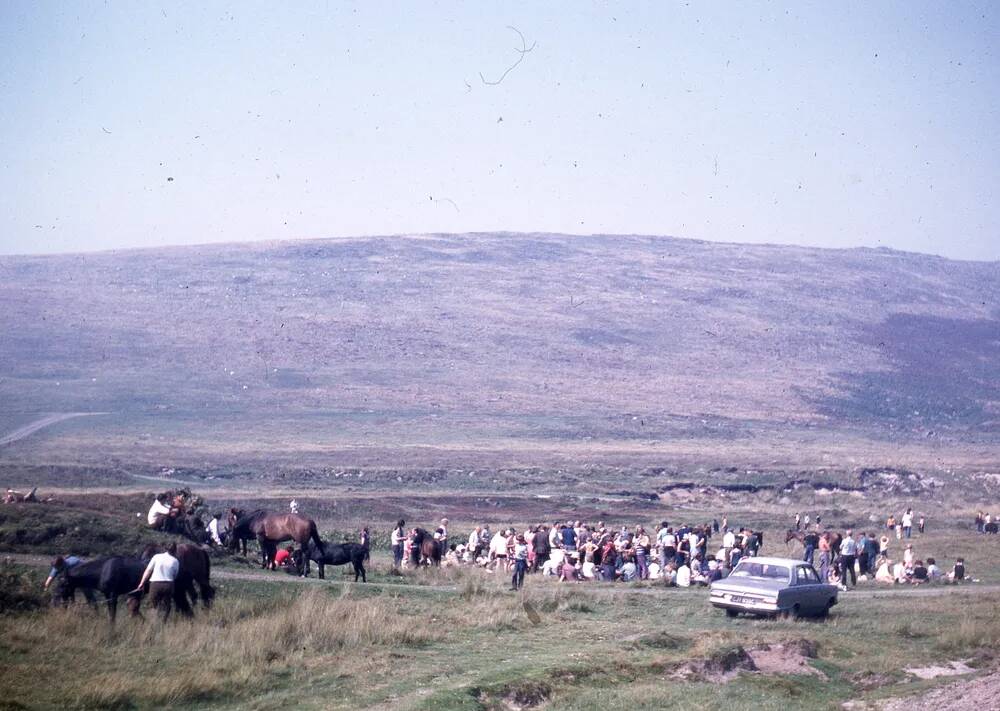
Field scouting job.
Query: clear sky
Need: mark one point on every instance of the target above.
(129, 124)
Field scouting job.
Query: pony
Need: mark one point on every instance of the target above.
(336, 554)
(270, 529)
(111, 576)
(423, 548)
(195, 568)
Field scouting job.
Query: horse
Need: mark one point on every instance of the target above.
(270, 529)
(195, 568)
(336, 554)
(423, 548)
(112, 576)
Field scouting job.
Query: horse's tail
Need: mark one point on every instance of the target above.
(314, 535)
(207, 591)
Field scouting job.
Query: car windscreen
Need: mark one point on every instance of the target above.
(749, 569)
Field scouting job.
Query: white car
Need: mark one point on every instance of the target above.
(773, 586)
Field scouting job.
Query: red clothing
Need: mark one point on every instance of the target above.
(281, 556)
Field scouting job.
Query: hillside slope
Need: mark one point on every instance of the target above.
(549, 337)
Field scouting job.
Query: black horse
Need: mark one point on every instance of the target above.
(195, 568)
(336, 554)
(112, 577)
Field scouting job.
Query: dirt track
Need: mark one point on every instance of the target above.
(33, 427)
(253, 574)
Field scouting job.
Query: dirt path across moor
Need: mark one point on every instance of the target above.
(48, 420)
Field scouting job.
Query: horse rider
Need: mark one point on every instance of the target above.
(160, 573)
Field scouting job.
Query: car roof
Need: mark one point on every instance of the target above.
(775, 561)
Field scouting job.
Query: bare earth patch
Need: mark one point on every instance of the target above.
(725, 665)
(979, 693)
(932, 672)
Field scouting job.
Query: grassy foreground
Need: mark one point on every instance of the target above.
(463, 642)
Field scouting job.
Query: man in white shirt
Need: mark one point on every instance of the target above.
(213, 530)
(161, 574)
(908, 523)
(159, 514)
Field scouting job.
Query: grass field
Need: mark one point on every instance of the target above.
(457, 639)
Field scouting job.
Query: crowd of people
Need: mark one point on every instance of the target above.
(846, 560)
(578, 551)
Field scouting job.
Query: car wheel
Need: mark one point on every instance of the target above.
(732, 613)
(825, 612)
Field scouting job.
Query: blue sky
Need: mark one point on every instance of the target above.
(823, 124)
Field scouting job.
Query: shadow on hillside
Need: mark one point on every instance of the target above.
(939, 372)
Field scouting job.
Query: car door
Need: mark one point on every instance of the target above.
(808, 589)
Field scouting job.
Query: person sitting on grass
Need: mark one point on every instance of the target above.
(957, 573)
(899, 573)
(919, 574)
(683, 579)
(883, 573)
(567, 572)
(553, 566)
(933, 571)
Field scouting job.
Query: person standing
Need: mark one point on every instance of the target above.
(520, 556)
(397, 538)
(824, 557)
(907, 523)
(161, 574)
(920, 524)
(811, 542)
(541, 546)
(798, 522)
(441, 536)
(848, 556)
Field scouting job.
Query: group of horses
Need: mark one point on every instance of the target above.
(270, 529)
(114, 576)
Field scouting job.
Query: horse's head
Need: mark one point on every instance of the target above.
(789, 536)
(149, 551)
(234, 515)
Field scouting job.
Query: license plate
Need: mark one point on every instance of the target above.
(741, 599)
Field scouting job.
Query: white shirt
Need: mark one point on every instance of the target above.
(213, 531)
(164, 568)
(498, 546)
(398, 536)
(474, 540)
(729, 540)
(684, 577)
(907, 520)
(155, 510)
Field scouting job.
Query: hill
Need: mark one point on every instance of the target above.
(444, 347)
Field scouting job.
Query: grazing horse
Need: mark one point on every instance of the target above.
(270, 529)
(112, 577)
(423, 548)
(195, 568)
(336, 554)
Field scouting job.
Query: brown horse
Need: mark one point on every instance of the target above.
(270, 529)
(423, 548)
